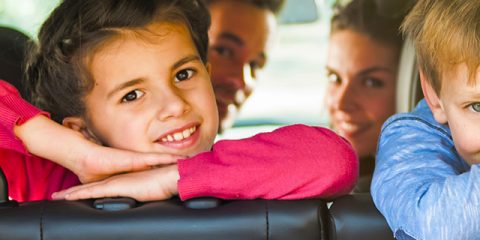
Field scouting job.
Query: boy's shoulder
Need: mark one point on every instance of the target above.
(420, 119)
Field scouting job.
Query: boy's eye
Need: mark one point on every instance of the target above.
(334, 78)
(132, 96)
(373, 83)
(184, 75)
(475, 106)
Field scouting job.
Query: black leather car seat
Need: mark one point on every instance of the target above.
(355, 217)
(172, 219)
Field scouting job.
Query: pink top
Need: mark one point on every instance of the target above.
(289, 163)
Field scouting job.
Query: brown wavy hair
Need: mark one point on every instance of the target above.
(56, 73)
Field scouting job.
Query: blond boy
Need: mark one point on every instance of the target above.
(427, 179)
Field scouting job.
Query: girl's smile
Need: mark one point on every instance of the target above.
(181, 138)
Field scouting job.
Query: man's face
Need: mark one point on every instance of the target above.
(460, 101)
(239, 37)
(152, 93)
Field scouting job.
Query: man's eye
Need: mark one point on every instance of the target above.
(224, 51)
(184, 75)
(475, 107)
(333, 78)
(132, 96)
(373, 83)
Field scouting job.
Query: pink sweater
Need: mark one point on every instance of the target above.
(290, 163)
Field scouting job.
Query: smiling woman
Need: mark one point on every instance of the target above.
(362, 67)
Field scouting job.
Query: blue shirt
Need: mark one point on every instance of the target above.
(421, 185)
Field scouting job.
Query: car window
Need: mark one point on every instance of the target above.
(25, 15)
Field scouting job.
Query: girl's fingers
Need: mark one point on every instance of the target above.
(64, 193)
(119, 161)
(97, 191)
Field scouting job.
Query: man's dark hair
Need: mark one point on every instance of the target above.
(56, 72)
(274, 6)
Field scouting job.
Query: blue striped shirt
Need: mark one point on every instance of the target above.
(421, 185)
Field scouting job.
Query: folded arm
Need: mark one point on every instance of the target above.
(290, 163)
(421, 187)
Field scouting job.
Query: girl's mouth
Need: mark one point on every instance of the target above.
(181, 138)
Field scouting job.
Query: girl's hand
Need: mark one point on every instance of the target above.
(89, 161)
(102, 162)
(149, 185)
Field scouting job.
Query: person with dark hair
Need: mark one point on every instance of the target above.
(239, 40)
(362, 68)
(141, 83)
(13, 47)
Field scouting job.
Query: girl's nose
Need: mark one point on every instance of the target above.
(173, 104)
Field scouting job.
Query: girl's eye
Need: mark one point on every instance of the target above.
(373, 83)
(475, 106)
(333, 78)
(132, 96)
(184, 75)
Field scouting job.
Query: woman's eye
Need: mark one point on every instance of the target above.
(184, 75)
(373, 83)
(333, 78)
(132, 96)
(475, 106)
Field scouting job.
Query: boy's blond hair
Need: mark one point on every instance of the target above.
(445, 33)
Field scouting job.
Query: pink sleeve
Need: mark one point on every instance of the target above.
(30, 178)
(292, 162)
(13, 110)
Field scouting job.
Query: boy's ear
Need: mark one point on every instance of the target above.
(78, 124)
(433, 100)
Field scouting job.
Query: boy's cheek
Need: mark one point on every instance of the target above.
(469, 150)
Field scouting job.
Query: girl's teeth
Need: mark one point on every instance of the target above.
(186, 133)
(180, 135)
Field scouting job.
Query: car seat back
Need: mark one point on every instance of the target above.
(355, 217)
(171, 219)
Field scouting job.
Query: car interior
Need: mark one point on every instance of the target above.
(352, 216)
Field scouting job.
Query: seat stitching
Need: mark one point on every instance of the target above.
(266, 219)
(41, 221)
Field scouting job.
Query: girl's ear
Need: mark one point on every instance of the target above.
(433, 100)
(209, 68)
(78, 124)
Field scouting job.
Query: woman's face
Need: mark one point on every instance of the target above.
(361, 91)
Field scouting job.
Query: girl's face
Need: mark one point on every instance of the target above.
(152, 93)
(361, 92)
